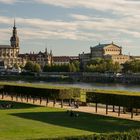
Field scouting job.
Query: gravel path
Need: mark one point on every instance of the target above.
(87, 109)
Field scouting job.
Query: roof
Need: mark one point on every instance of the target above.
(135, 56)
(61, 58)
(105, 45)
(5, 46)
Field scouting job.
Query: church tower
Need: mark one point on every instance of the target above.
(14, 39)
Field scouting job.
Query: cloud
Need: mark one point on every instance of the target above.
(8, 1)
(87, 29)
(124, 7)
(80, 17)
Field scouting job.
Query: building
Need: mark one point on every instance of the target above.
(64, 59)
(9, 54)
(104, 51)
(42, 58)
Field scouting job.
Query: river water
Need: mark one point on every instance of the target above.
(107, 86)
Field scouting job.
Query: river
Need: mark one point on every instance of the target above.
(107, 86)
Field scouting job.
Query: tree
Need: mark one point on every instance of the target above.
(16, 66)
(29, 66)
(102, 65)
(32, 67)
(77, 65)
(36, 68)
(131, 66)
(73, 68)
(116, 67)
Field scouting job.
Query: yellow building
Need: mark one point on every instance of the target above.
(105, 51)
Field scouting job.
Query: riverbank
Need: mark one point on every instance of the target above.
(76, 77)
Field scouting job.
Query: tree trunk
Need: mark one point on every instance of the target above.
(62, 103)
(96, 107)
(40, 100)
(12, 97)
(124, 110)
(119, 111)
(27, 99)
(137, 112)
(21, 98)
(113, 108)
(54, 102)
(132, 113)
(69, 102)
(47, 101)
(106, 109)
(16, 97)
(33, 100)
(2, 95)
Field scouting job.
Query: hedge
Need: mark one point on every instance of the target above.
(116, 98)
(40, 91)
(132, 135)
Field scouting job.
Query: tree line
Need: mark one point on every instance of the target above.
(95, 65)
(103, 65)
(70, 67)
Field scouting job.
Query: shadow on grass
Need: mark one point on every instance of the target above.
(15, 105)
(85, 121)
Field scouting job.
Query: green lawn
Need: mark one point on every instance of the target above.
(27, 121)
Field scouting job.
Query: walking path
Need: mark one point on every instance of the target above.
(87, 109)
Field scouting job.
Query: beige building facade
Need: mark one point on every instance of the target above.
(42, 58)
(105, 51)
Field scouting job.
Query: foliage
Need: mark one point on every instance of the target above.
(56, 68)
(77, 65)
(36, 68)
(132, 135)
(71, 67)
(38, 91)
(32, 67)
(132, 66)
(102, 65)
(114, 98)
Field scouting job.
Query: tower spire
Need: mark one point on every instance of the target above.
(14, 39)
(14, 22)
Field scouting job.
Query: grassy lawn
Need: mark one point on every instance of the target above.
(25, 121)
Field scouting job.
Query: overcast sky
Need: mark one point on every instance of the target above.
(69, 27)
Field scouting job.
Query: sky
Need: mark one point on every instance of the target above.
(70, 27)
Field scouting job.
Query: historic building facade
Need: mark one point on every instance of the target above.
(9, 54)
(105, 51)
(42, 58)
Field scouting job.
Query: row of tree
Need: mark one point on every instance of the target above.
(103, 65)
(71, 67)
(96, 65)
